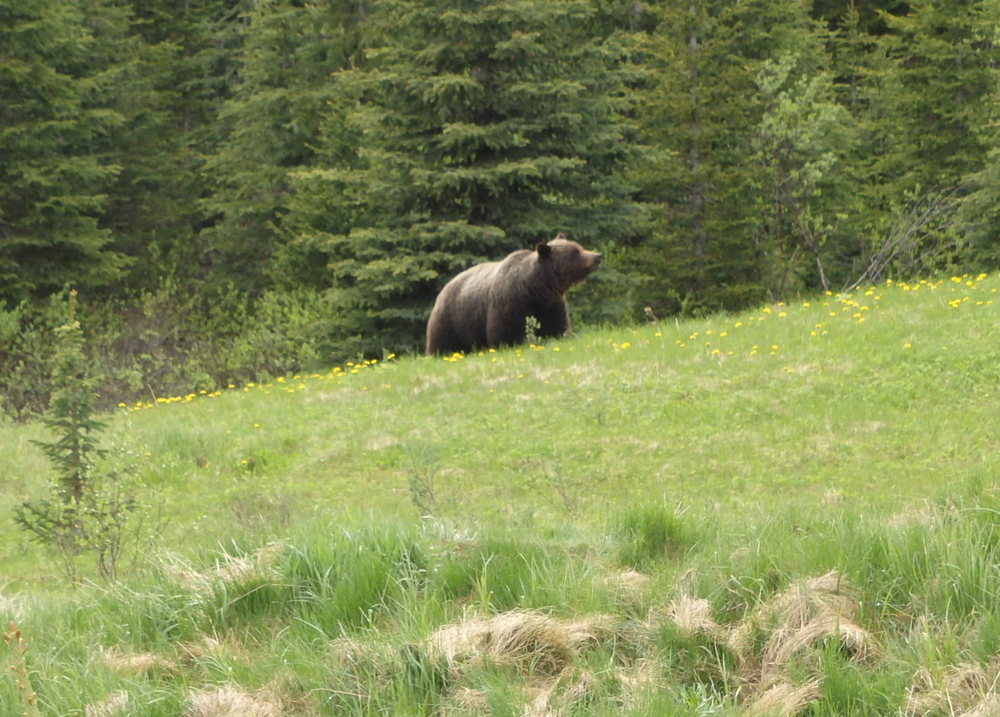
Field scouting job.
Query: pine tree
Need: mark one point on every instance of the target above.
(481, 128)
(53, 180)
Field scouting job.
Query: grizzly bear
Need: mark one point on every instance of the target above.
(487, 305)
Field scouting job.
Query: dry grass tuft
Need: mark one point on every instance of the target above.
(207, 646)
(259, 564)
(226, 701)
(542, 648)
(966, 690)
(628, 583)
(465, 701)
(988, 707)
(348, 652)
(803, 616)
(113, 705)
(528, 641)
(693, 616)
(783, 699)
(12, 609)
(137, 663)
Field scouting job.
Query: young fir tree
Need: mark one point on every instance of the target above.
(481, 127)
(90, 510)
(53, 180)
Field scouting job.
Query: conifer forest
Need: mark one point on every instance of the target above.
(231, 189)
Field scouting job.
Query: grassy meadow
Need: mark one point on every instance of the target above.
(786, 511)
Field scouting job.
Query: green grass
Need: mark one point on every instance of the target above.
(317, 530)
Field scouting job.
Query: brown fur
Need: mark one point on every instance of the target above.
(486, 306)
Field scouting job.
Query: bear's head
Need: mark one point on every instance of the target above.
(566, 261)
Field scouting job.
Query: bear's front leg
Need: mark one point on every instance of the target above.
(553, 321)
(505, 328)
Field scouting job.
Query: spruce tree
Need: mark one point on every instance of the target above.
(282, 91)
(184, 71)
(712, 247)
(481, 127)
(930, 130)
(53, 179)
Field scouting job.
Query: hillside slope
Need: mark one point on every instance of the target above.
(876, 399)
(786, 511)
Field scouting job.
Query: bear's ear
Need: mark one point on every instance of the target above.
(544, 250)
